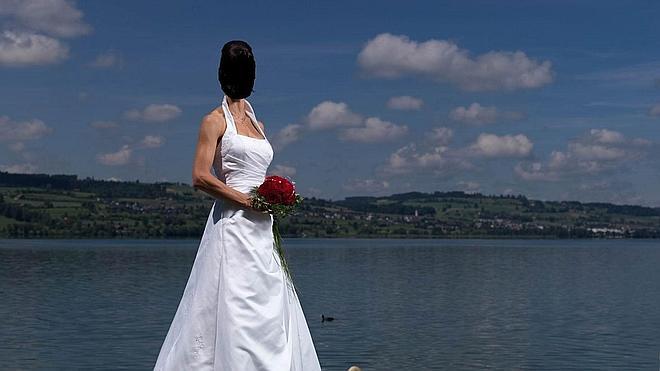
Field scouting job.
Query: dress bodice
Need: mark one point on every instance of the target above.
(241, 161)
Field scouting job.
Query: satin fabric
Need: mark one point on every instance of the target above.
(237, 312)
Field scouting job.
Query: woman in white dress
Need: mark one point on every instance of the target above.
(237, 312)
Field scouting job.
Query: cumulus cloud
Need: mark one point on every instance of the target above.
(350, 126)
(494, 146)
(441, 135)
(655, 110)
(476, 114)
(11, 131)
(370, 186)
(432, 155)
(591, 151)
(152, 141)
(329, 114)
(282, 170)
(437, 159)
(103, 125)
(394, 56)
(33, 28)
(638, 75)
(374, 130)
(121, 157)
(109, 59)
(154, 113)
(606, 136)
(469, 186)
(56, 17)
(405, 103)
(17, 146)
(124, 155)
(287, 135)
(24, 49)
(597, 151)
(24, 168)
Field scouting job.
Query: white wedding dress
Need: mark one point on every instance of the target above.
(238, 312)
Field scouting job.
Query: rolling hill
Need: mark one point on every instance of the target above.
(64, 206)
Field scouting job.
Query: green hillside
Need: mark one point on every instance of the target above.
(63, 206)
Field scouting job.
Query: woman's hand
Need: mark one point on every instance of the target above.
(246, 200)
(249, 204)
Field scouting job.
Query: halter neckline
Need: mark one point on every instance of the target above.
(250, 113)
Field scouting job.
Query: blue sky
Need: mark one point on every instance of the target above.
(551, 99)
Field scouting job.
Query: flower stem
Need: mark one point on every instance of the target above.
(280, 252)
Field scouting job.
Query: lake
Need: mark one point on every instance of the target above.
(398, 304)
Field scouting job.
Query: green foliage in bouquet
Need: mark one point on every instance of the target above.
(279, 211)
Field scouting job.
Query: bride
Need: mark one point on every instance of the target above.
(237, 312)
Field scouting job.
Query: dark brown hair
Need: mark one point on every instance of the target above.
(237, 70)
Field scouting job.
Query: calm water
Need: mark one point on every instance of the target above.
(398, 304)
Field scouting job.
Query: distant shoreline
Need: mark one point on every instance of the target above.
(65, 207)
(522, 238)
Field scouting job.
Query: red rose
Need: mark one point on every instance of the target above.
(278, 190)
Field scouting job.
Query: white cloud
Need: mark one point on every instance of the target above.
(11, 131)
(640, 75)
(108, 59)
(121, 157)
(408, 157)
(283, 170)
(32, 29)
(24, 49)
(588, 151)
(124, 155)
(655, 110)
(59, 18)
(441, 135)
(103, 125)
(493, 146)
(469, 186)
(437, 159)
(374, 130)
(476, 114)
(154, 113)
(328, 115)
(393, 56)
(331, 115)
(152, 141)
(371, 186)
(351, 126)
(535, 171)
(25, 168)
(405, 103)
(17, 146)
(606, 136)
(287, 135)
(598, 151)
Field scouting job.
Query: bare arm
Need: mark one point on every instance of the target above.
(211, 129)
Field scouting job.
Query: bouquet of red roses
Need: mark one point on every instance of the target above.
(277, 196)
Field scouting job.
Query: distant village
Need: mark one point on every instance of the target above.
(46, 206)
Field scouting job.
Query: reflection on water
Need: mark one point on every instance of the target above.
(431, 304)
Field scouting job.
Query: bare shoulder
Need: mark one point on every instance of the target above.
(214, 121)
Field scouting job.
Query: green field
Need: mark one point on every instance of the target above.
(63, 206)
